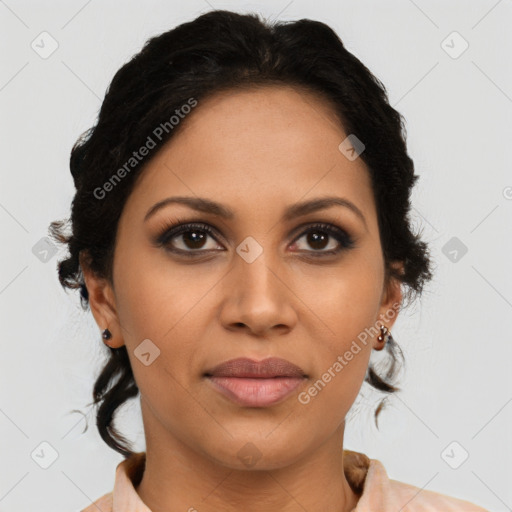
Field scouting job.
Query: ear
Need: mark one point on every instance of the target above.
(102, 302)
(390, 302)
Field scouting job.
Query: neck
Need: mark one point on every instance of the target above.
(176, 477)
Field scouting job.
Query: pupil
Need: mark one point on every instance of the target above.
(313, 239)
(195, 238)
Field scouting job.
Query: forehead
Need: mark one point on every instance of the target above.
(258, 147)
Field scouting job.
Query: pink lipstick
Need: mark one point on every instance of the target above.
(253, 383)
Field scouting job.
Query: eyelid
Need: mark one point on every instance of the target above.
(346, 241)
(175, 228)
(344, 237)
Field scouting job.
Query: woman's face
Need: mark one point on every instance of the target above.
(258, 286)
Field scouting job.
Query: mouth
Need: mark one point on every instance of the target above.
(252, 383)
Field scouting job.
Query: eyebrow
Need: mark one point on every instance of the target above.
(295, 210)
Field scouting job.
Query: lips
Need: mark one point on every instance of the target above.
(248, 368)
(252, 383)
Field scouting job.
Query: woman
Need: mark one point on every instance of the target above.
(240, 233)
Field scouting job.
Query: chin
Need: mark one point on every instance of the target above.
(252, 452)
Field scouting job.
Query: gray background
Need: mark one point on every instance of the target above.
(456, 339)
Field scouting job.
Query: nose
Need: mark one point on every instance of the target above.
(259, 298)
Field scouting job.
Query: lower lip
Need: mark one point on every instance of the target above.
(256, 392)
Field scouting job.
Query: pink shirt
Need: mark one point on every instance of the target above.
(367, 477)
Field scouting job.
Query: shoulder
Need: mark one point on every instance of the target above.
(127, 476)
(379, 490)
(104, 504)
(423, 500)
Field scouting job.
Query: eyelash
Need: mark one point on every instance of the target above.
(174, 230)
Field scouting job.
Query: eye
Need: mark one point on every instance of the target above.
(317, 236)
(190, 238)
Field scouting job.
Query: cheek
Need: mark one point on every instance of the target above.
(347, 303)
(341, 359)
(159, 301)
(157, 304)
(347, 300)
(155, 295)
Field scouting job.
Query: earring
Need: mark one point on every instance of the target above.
(106, 334)
(385, 333)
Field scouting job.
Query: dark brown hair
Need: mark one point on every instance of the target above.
(222, 51)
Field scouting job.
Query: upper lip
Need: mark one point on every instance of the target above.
(244, 367)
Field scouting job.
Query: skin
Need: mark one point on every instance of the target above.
(256, 151)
